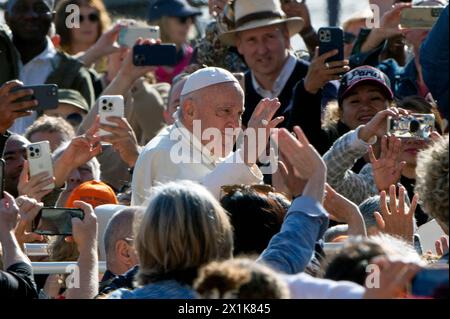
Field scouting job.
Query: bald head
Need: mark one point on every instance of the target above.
(120, 227)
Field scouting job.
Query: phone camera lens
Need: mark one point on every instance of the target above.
(110, 105)
(32, 154)
(31, 149)
(414, 126)
(104, 108)
(37, 151)
(104, 101)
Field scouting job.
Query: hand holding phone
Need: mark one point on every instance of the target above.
(154, 55)
(418, 126)
(110, 105)
(130, 34)
(46, 96)
(422, 17)
(40, 160)
(331, 38)
(53, 221)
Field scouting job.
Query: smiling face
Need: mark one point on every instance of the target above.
(265, 49)
(29, 20)
(14, 155)
(219, 107)
(88, 32)
(361, 105)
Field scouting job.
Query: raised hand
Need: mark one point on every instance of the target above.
(442, 246)
(261, 122)
(343, 210)
(10, 109)
(320, 72)
(396, 219)
(33, 186)
(305, 160)
(377, 126)
(122, 139)
(388, 168)
(28, 210)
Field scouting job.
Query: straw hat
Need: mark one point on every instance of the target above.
(252, 14)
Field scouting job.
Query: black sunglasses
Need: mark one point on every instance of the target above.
(93, 17)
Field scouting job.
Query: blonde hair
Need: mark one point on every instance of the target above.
(183, 228)
(163, 24)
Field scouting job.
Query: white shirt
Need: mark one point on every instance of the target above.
(304, 286)
(35, 72)
(280, 82)
(162, 160)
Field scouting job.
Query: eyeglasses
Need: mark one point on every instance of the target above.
(92, 17)
(260, 188)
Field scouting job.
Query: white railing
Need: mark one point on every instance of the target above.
(65, 267)
(34, 250)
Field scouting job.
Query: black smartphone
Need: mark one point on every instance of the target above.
(2, 177)
(155, 55)
(46, 95)
(331, 38)
(56, 221)
(429, 281)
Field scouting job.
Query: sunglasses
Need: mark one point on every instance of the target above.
(92, 17)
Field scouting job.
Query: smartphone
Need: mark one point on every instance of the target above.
(411, 126)
(154, 55)
(420, 17)
(56, 221)
(39, 158)
(428, 281)
(110, 105)
(2, 177)
(331, 38)
(129, 35)
(46, 95)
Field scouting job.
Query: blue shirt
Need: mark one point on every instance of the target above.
(167, 289)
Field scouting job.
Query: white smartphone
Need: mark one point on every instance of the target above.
(129, 35)
(110, 105)
(40, 160)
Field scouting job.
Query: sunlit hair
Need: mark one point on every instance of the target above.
(50, 124)
(432, 181)
(61, 16)
(183, 228)
(240, 278)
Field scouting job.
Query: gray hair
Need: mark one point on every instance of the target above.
(120, 226)
(333, 232)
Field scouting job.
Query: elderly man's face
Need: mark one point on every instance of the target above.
(218, 107)
(265, 49)
(29, 20)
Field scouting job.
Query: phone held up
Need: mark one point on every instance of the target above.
(418, 126)
(110, 105)
(46, 95)
(331, 38)
(129, 35)
(155, 55)
(40, 160)
(53, 221)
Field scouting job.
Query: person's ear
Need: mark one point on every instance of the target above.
(122, 253)
(188, 109)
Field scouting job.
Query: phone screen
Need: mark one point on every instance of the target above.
(2, 177)
(56, 221)
(428, 281)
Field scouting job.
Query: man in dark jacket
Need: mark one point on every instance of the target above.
(263, 38)
(26, 53)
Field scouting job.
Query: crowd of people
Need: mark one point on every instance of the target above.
(247, 170)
